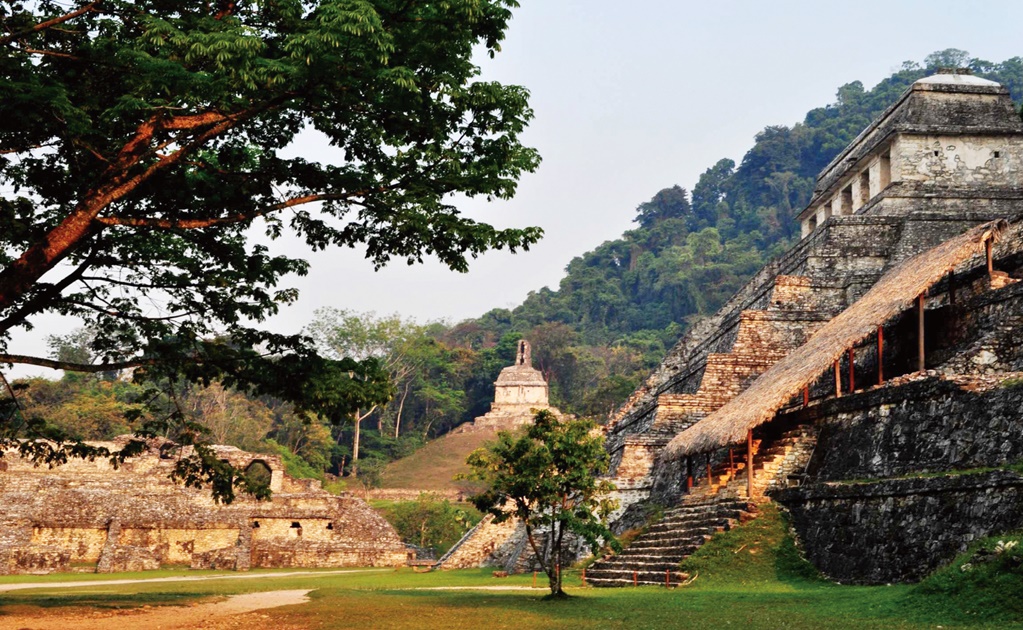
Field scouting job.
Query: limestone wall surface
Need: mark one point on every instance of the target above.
(933, 425)
(88, 516)
(899, 530)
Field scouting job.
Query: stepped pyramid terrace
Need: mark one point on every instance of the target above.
(866, 379)
(903, 288)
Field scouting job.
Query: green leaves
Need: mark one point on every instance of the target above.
(142, 139)
(548, 478)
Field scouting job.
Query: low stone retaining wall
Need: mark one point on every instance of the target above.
(899, 530)
(407, 494)
(931, 425)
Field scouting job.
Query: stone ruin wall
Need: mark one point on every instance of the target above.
(906, 476)
(819, 277)
(87, 516)
(830, 269)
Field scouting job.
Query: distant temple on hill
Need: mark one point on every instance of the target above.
(519, 392)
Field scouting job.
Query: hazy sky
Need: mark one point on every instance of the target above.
(632, 97)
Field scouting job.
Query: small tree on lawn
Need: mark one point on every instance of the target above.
(548, 478)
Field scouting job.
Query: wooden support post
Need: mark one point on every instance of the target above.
(880, 355)
(731, 462)
(838, 379)
(749, 464)
(852, 370)
(689, 472)
(667, 578)
(988, 247)
(806, 395)
(534, 579)
(920, 332)
(635, 578)
(710, 480)
(584, 576)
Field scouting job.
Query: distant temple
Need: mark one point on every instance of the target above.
(519, 392)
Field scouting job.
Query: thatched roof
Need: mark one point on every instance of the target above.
(893, 294)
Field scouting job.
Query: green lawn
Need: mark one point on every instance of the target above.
(748, 578)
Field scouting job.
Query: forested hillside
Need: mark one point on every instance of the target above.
(612, 318)
(691, 251)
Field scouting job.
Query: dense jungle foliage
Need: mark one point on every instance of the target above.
(613, 317)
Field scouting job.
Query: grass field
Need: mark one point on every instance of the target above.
(434, 466)
(748, 578)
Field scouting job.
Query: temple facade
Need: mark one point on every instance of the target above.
(883, 345)
(519, 392)
(89, 516)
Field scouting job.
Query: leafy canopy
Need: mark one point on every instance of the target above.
(548, 478)
(141, 149)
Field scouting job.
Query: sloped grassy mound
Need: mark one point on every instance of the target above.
(983, 584)
(759, 551)
(983, 587)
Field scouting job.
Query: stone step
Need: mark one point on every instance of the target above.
(648, 563)
(661, 548)
(720, 515)
(622, 582)
(626, 575)
(669, 540)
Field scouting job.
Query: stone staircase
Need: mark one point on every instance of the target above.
(654, 556)
(714, 506)
(485, 543)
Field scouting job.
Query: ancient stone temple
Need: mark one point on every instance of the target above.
(884, 345)
(519, 392)
(87, 516)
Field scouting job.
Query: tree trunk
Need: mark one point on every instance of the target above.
(401, 406)
(355, 447)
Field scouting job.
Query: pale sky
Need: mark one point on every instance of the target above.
(633, 97)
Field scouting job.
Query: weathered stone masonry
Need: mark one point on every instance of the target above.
(947, 156)
(899, 530)
(87, 516)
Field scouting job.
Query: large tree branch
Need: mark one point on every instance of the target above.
(39, 301)
(51, 53)
(24, 272)
(193, 224)
(137, 285)
(129, 316)
(75, 367)
(47, 24)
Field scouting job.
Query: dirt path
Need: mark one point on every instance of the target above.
(183, 578)
(230, 613)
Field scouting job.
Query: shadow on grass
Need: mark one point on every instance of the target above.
(103, 601)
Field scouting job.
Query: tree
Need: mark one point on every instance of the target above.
(548, 479)
(669, 203)
(392, 340)
(429, 523)
(143, 139)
